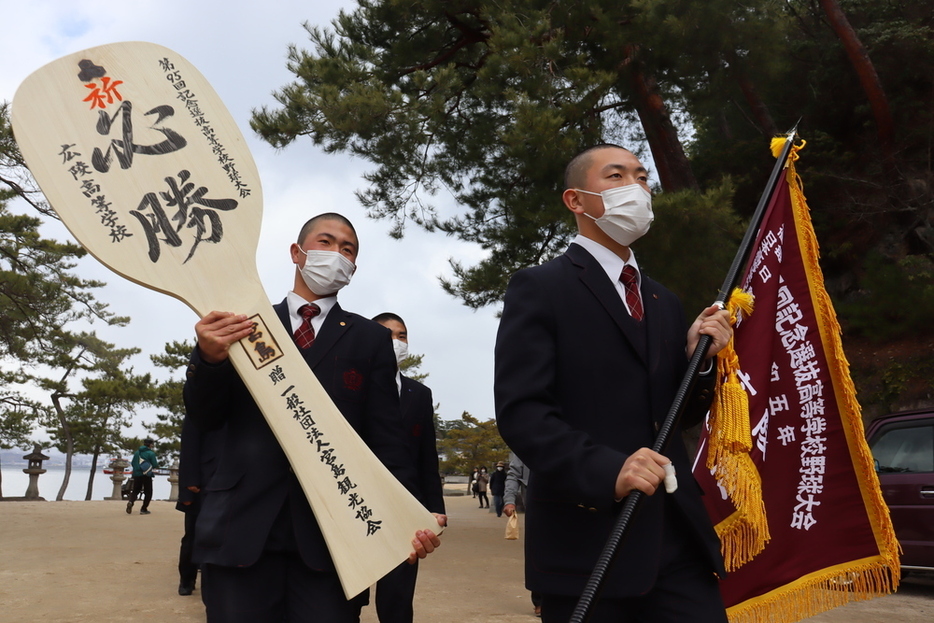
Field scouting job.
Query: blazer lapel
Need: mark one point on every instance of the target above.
(335, 326)
(595, 279)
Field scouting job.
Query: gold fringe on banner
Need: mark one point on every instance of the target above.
(856, 580)
(818, 592)
(745, 533)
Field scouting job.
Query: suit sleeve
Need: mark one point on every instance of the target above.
(530, 419)
(209, 391)
(189, 461)
(428, 473)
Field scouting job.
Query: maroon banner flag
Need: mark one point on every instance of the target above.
(829, 539)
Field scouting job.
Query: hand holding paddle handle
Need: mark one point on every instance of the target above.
(141, 160)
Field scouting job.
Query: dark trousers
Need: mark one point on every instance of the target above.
(483, 498)
(187, 570)
(498, 504)
(670, 601)
(278, 588)
(686, 590)
(144, 484)
(394, 594)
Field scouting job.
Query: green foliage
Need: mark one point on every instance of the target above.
(469, 110)
(17, 417)
(76, 358)
(876, 230)
(92, 422)
(894, 377)
(896, 300)
(99, 412)
(38, 292)
(468, 443)
(14, 177)
(484, 102)
(692, 244)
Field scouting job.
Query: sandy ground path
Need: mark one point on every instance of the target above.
(90, 561)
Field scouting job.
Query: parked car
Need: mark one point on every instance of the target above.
(903, 448)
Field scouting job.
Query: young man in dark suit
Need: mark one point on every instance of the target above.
(197, 462)
(263, 556)
(586, 369)
(394, 592)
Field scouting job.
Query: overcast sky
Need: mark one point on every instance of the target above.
(241, 47)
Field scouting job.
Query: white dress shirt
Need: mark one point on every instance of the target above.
(612, 264)
(294, 301)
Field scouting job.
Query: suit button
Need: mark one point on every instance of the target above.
(657, 427)
(589, 508)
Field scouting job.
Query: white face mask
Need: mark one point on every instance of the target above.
(326, 272)
(627, 213)
(402, 351)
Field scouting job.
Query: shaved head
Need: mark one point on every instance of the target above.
(576, 170)
(327, 216)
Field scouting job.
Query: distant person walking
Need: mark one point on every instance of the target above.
(144, 462)
(483, 479)
(498, 487)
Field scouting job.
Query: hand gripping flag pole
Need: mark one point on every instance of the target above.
(634, 500)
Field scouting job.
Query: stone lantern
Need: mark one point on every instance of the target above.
(34, 468)
(117, 477)
(173, 480)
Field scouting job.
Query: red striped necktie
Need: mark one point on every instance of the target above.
(305, 334)
(629, 277)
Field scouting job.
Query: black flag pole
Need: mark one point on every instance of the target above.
(634, 500)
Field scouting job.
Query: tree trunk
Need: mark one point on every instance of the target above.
(760, 111)
(674, 170)
(94, 458)
(869, 80)
(69, 445)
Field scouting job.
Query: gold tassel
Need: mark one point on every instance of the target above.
(746, 532)
(731, 402)
(776, 146)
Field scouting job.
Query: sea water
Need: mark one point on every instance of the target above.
(15, 483)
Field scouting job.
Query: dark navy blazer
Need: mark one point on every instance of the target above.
(253, 482)
(579, 386)
(418, 424)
